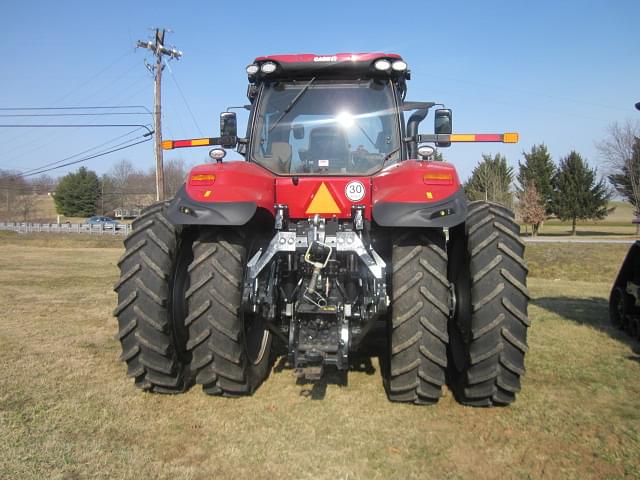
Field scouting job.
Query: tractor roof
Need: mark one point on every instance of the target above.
(337, 65)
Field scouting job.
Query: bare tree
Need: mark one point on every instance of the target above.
(531, 207)
(175, 172)
(11, 187)
(43, 184)
(25, 206)
(621, 160)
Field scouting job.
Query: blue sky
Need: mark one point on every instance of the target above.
(557, 72)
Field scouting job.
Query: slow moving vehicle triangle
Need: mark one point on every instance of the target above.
(323, 202)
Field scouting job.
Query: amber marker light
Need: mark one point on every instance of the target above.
(437, 178)
(202, 179)
(511, 137)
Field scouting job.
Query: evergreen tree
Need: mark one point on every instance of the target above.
(491, 180)
(77, 194)
(626, 180)
(539, 168)
(577, 195)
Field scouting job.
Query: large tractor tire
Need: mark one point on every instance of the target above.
(150, 309)
(420, 311)
(230, 349)
(489, 332)
(620, 305)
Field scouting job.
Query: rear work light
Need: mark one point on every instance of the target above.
(399, 66)
(382, 65)
(268, 67)
(252, 69)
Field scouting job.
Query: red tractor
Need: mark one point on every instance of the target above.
(339, 229)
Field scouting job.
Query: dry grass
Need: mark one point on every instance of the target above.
(68, 411)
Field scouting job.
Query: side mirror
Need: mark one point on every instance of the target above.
(443, 125)
(228, 129)
(298, 131)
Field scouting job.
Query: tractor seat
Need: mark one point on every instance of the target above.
(329, 143)
(280, 159)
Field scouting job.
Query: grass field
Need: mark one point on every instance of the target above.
(67, 411)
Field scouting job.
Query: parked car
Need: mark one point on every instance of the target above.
(100, 220)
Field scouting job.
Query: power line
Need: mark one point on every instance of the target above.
(93, 107)
(29, 115)
(78, 125)
(29, 173)
(184, 99)
(81, 153)
(44, 140)
(86, 158)
(74, 90)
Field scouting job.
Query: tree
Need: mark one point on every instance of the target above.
(77, 194)
(620, 152)
(626, 179)
(43, 184)
(12, 186)
(121, 182)
(531, 206)
(25, 206)
(539, 168)
(491, 180)
(175, 173)
(577, 195)
(438, 157)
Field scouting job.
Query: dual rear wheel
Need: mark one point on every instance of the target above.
(459, 309)
(179, 316)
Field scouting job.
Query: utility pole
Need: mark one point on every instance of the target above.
(158, 49)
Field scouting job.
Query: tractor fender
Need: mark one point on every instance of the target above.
(418, 194)
(449, 212)
(226, 194)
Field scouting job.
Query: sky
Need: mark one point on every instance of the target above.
(558, 73)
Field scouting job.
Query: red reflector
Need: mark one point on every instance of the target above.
(488, 137)
(181, 143)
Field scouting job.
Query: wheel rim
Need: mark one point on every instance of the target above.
(256, 338)
(461, 322)
(256, 334)
(180, 331)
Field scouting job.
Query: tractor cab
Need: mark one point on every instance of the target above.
(326, 115)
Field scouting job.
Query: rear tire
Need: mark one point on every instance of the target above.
(491, 320)
(148, 322)
(230, 351)
(620, 306)
(420, 311)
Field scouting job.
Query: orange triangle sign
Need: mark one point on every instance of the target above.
(323, 202)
